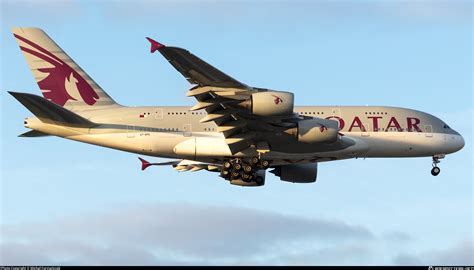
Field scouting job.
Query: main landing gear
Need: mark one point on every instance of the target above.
(245, 170)
(436, 170)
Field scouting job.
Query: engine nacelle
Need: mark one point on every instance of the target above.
(271, 103)
(316, 130)
(297, 173)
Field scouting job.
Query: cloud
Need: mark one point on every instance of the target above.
(360, 253)
(189, 234)
(173, 234)
(460, 254)
(398, 236)
(407, 259)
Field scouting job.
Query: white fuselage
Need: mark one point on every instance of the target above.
(175, 132)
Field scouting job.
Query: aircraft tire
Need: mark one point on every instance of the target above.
(259, 180)
(237, 166)
(435, 171)
(254, 160)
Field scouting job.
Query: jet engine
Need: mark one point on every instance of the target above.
(270, 103)
(297, 173)
(315, 130)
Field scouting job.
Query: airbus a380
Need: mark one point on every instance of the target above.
(235, 130)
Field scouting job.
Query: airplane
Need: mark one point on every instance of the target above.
(235, 130)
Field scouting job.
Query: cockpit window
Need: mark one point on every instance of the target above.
(446, 126)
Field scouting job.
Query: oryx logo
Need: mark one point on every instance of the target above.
(323, 128)
(277, 99)
(62, 82)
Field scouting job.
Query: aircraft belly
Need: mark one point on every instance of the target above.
(152, 143)
(405, 144)
(203, 147)
(175, 145)
(347, 147)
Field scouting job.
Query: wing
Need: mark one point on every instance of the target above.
(195, 70)
(226, 101)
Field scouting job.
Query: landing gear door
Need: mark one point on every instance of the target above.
(428, 131)
(336, 115)
(130, 131)
(336, 112)
(158, 113)
(366, 130)
(187, 130)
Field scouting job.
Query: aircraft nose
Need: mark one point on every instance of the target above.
(457, 143)
(461, 142)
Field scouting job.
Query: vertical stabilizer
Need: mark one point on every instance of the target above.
(60, 79)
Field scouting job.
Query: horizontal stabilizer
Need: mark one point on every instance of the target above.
(50, 112)
(33, 133)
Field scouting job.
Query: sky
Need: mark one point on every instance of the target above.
(63, 202)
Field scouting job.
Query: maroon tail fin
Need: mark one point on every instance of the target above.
(60, 79)
(145, 164)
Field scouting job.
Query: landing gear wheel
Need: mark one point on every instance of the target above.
(435, 171)
(247, 168)
(246, 177)
(259, 180)
(254, 160)
(227, 165)
(237, 166)
(265, 164)
(234, 175)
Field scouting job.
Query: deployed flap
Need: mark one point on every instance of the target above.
(50, 112)
(194, 69)
(183, 165)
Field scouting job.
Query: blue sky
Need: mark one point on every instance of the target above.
(63, 202)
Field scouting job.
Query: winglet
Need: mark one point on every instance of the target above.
(145, 164)
(155, 45)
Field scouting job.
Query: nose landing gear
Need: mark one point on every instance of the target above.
(436, 170)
